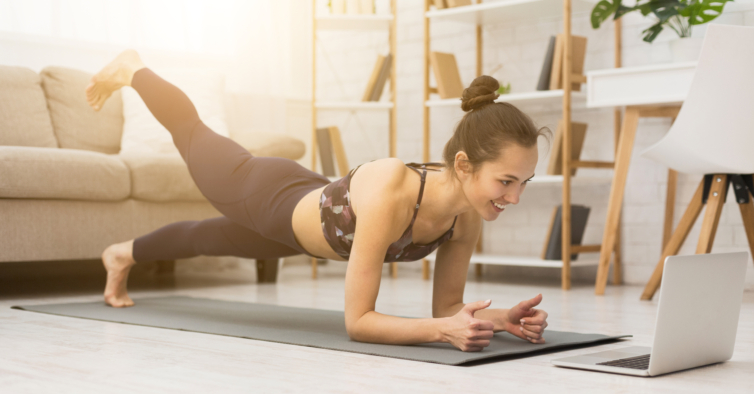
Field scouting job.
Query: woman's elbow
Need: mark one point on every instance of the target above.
(353, 331)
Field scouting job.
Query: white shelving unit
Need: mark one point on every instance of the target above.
(509, 11)
(354, 23)
(515, 11)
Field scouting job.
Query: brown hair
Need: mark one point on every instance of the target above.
(487, 126)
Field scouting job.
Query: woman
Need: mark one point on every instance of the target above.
(274, 207)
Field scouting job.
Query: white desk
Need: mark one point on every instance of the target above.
(645, 85)
(647, 91)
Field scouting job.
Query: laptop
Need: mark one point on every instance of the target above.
(697, 319)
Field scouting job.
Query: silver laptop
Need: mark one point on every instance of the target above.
(697, 318)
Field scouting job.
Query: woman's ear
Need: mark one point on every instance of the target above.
(462, 166)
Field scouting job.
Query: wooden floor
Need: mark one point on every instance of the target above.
(43, 353)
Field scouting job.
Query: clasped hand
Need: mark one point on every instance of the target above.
(471, 334)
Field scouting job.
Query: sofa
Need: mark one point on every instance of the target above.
(67, 191)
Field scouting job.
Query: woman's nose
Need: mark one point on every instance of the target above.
(513, 196)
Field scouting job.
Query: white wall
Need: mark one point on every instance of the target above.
(346, 59)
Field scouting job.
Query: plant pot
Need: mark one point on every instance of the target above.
(686, 49)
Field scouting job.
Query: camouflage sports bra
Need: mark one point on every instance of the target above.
(339, 221)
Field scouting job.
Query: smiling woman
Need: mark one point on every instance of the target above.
(273, 207)
(496, 134)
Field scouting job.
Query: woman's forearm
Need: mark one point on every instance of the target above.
(375, 327)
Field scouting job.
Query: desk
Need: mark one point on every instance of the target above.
(647, 91)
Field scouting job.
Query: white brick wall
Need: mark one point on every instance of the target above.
(346, 59)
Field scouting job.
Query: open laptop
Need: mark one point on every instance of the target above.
(697, 318)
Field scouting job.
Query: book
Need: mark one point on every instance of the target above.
(448, 79)
(380, 75)
(339, 150)
(544, 75)
(379, 85)
(369, 91)
(578, 53)
(458, 3)
(331, 145)
(366, 6)
(440, 4)
(578, 133)
(553, 249)
(338, 7)
(325, 151)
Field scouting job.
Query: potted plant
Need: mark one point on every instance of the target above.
(679, 15)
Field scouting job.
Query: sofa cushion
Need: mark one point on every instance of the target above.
(31, 172)
(160, 177)
(271, 144)
(76, 124)
(24, 120)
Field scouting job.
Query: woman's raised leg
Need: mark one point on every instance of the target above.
(225, 172)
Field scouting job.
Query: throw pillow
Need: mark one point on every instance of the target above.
(76, 124)
(24, 119)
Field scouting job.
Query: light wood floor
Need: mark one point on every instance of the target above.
(43, 353)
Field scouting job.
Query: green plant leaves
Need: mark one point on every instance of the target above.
(603, 10)
(696, 11)
(652, 32)
(664, 9)
(703, 11)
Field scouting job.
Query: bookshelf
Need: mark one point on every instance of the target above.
(504, 11)
(356, 23)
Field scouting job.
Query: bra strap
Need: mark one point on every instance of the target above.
(423, 166)
(419, 200)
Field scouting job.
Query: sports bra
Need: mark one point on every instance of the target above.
(339, 221)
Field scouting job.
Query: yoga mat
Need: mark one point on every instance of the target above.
(296, 326)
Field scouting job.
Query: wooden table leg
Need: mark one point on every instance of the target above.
(676, 241)
(667, 228)
(715, 202)
(747, 214)
(617, 263)
(425, 269)
(314, 268)
(394, 270)
(622, 161)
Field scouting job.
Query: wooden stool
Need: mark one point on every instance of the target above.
(711, 191)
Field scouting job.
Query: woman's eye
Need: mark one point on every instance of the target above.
(505, 183)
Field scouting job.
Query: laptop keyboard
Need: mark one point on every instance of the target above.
(638, 362)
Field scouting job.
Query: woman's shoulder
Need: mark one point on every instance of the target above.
(384, 182)
(388, 172)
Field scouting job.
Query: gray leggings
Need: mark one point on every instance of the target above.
(256, 195)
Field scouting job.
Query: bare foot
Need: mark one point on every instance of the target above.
(118, 261)
(112, 77)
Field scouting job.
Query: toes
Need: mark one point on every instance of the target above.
(101, 101)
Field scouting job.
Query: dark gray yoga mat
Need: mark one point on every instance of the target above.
(296, 326)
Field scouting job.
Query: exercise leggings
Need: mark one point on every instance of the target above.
(256, 195)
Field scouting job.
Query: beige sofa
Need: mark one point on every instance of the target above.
(65, 191)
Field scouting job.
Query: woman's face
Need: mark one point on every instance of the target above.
(499, 183)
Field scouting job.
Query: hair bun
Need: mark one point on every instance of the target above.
(483, 91)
